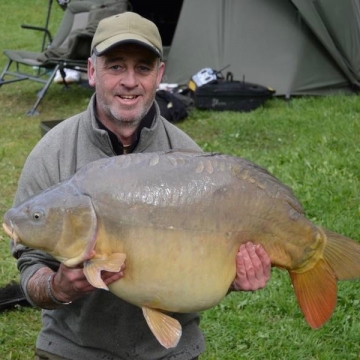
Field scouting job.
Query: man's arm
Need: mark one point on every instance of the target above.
(50, 290)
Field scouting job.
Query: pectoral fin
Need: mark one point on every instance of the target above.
(166, 329)
(93, 268)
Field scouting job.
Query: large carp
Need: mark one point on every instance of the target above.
(179, 218)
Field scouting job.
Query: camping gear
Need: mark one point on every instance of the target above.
(204, 76)
(173, 106)
(214, 92)
(298, 47)
(12, 296)
(232, 95)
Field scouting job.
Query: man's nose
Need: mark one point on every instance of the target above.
(129, 79)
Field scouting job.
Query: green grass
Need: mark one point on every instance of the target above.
(310, 144)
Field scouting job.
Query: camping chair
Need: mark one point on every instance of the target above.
(65, 50)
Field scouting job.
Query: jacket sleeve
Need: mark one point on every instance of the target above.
(34, 178)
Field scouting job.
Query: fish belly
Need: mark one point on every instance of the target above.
(175, 270)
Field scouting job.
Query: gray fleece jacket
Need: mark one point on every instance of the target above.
(100, 325)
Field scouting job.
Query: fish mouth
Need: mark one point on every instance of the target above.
(9, 230)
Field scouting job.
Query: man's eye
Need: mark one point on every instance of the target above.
(144, 68)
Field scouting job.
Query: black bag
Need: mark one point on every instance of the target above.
(11, 295)
(227, 94)
(173, 106)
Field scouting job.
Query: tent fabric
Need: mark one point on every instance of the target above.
(297, 47)
(327, 20)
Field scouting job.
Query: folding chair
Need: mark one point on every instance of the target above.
(76, 17)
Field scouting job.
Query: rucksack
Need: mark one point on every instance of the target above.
(173, 106)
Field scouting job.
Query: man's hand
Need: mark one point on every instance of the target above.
(65, 286)
(253, 268)
(70, 284)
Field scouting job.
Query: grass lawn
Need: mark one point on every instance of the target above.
(310, 144)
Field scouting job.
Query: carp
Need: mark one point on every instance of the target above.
(178, 218)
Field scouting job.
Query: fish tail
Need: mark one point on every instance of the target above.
(316, 293)
(316, 289)
(343, 255)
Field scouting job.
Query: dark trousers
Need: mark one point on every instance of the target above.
(44, 355)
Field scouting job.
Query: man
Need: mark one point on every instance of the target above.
(80, 322)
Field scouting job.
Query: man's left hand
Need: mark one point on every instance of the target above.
(253, 268)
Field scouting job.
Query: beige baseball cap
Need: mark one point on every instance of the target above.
(127, 27)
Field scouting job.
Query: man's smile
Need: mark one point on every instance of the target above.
(130, 97)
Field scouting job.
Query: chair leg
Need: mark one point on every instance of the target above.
(4, 72)
(42, 92)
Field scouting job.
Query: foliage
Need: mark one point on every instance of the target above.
(310, 144)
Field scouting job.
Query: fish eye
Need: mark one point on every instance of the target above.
(37, 215)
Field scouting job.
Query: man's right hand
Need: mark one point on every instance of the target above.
(70, 284)
(65, 286)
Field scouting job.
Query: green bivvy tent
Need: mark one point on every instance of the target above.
(297, 47)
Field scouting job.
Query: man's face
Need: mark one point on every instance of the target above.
(126, 79)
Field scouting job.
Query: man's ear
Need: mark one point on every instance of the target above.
(91, 72)
(160, 73)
